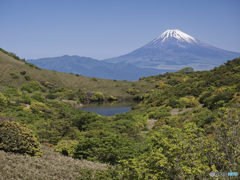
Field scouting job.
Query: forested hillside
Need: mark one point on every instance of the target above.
(196, 127)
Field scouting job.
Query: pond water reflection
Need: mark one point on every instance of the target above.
(109, 108)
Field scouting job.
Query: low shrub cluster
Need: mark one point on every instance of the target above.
(111, 98)
(32, 86)
(48, 85)
(14, 75)
(133, 91)
(98, 96)
(18, 138)
(23, 72)
(27, 77)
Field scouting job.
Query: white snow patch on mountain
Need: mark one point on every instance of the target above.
(175, 33)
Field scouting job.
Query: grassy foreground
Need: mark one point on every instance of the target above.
(52, 165)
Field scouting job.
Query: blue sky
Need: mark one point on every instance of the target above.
(108, 28)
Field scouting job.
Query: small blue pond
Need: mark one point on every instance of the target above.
(109, 108)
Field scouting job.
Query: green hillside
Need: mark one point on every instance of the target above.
(186, 125)
(69, 81)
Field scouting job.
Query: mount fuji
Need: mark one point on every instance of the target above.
(174, 50)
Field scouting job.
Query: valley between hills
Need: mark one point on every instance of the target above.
(186, 125)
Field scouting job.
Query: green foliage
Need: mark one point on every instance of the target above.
(14, 75)
(98, 96)
(38, 105)
(186, 70)
(172, 150)
(66, 147)
(3, 100)
(51, 96)
(11, 91)
(133, 91)
(24, 99)
(145, 129)
(38, 97)
(134, 84)
(159, 113)
(35, 85)
(138, 97)
(111, 98)
(32, 86)
(149, 90)
(192, 103)
(23, 72)
(105, 148)
(27, 77)
(57, 90)
(18, 138)
(27, 87)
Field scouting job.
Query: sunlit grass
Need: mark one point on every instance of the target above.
(108, 87)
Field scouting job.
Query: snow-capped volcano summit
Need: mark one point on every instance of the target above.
(174, 49)
(175, 33)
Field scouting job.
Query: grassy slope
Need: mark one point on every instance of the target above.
(69, 81)
(52, 165)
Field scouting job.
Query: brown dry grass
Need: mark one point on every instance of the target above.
(52, 165)
(176, 111)
(69, 81)
(151, 123)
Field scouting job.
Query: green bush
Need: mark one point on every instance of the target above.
(18, 138)
(111, 98)
(149, 90)
(98, 96)
(35, 85)
(159, 113)
(3, 100)
(38, 97)
(192, 103)
(32, 86)
(109, 148)
(14, 75)
(51, 96)
(25, 99)
(57, 90)
(23, 72)
(11, 90)
(43, 89)
(145, 129)
(27, 87)
(66, 147)
(133, 91)
(27, 77)
(138, 97)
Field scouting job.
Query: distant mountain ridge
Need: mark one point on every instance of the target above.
(175, 49)
(91, 67)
